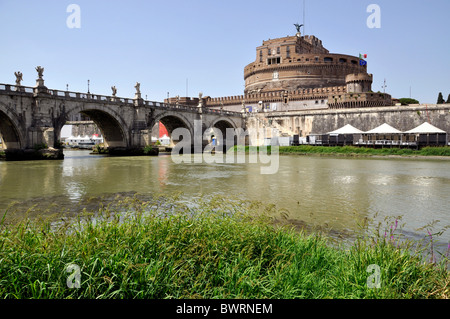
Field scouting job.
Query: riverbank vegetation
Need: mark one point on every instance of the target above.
(353, 150)
(218, 248)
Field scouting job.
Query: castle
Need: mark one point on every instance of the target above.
(297, 73)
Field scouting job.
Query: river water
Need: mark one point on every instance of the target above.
(313, 190)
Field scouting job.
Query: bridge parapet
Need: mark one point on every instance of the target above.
(89, 97)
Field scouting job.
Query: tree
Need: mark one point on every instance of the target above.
(448, 99)
(407, 101)
(440, 99)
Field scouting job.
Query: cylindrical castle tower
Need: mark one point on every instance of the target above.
(298, 62)
(359, 83)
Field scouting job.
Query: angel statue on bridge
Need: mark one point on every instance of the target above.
(138, 88)
(114, 90)
(40, 71)
(19, 77)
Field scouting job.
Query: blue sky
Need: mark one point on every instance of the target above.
(207, 43)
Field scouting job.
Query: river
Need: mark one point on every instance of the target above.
(313, 190)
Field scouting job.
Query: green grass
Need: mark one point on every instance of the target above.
(219, 249)
(354, 151)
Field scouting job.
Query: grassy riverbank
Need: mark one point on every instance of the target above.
(354, 151)
(216, 250)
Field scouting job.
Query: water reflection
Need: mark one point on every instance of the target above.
(311, 189)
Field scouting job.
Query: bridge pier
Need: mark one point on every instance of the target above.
(32, 154)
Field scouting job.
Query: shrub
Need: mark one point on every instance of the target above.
(148, 149)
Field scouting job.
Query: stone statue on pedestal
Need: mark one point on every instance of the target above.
(114, 91)
(137, 97)
(19, 77)
(138, 88)
(40, 71)
(200, 99)
(40, 87)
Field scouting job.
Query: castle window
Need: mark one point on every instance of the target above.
(328, 59)
(316, 59)
(274, 61)
(269, 52)
(354, 62)
(278, 50)
(260, 56)
(343, 60)
(288, 52)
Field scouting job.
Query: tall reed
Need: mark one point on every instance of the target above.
(217, 248)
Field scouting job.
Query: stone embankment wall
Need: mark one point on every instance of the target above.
(308, 122)
(403, 118)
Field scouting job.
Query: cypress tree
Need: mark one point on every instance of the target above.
(440, 99)
(448, 99)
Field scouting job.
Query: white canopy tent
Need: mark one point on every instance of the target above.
(382, 135)
(426, 128)
(427, 134)
(384, 129)
(342, 136)
(347, 129)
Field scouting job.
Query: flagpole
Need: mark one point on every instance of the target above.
(304, 22)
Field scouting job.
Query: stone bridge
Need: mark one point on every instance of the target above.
(32, 118)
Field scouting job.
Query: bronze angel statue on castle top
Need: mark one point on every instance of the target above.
(298, 26)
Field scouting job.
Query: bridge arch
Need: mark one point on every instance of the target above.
(10, 132)
(223, 123)
(172, 120)
(218, 128)
(111, 124)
